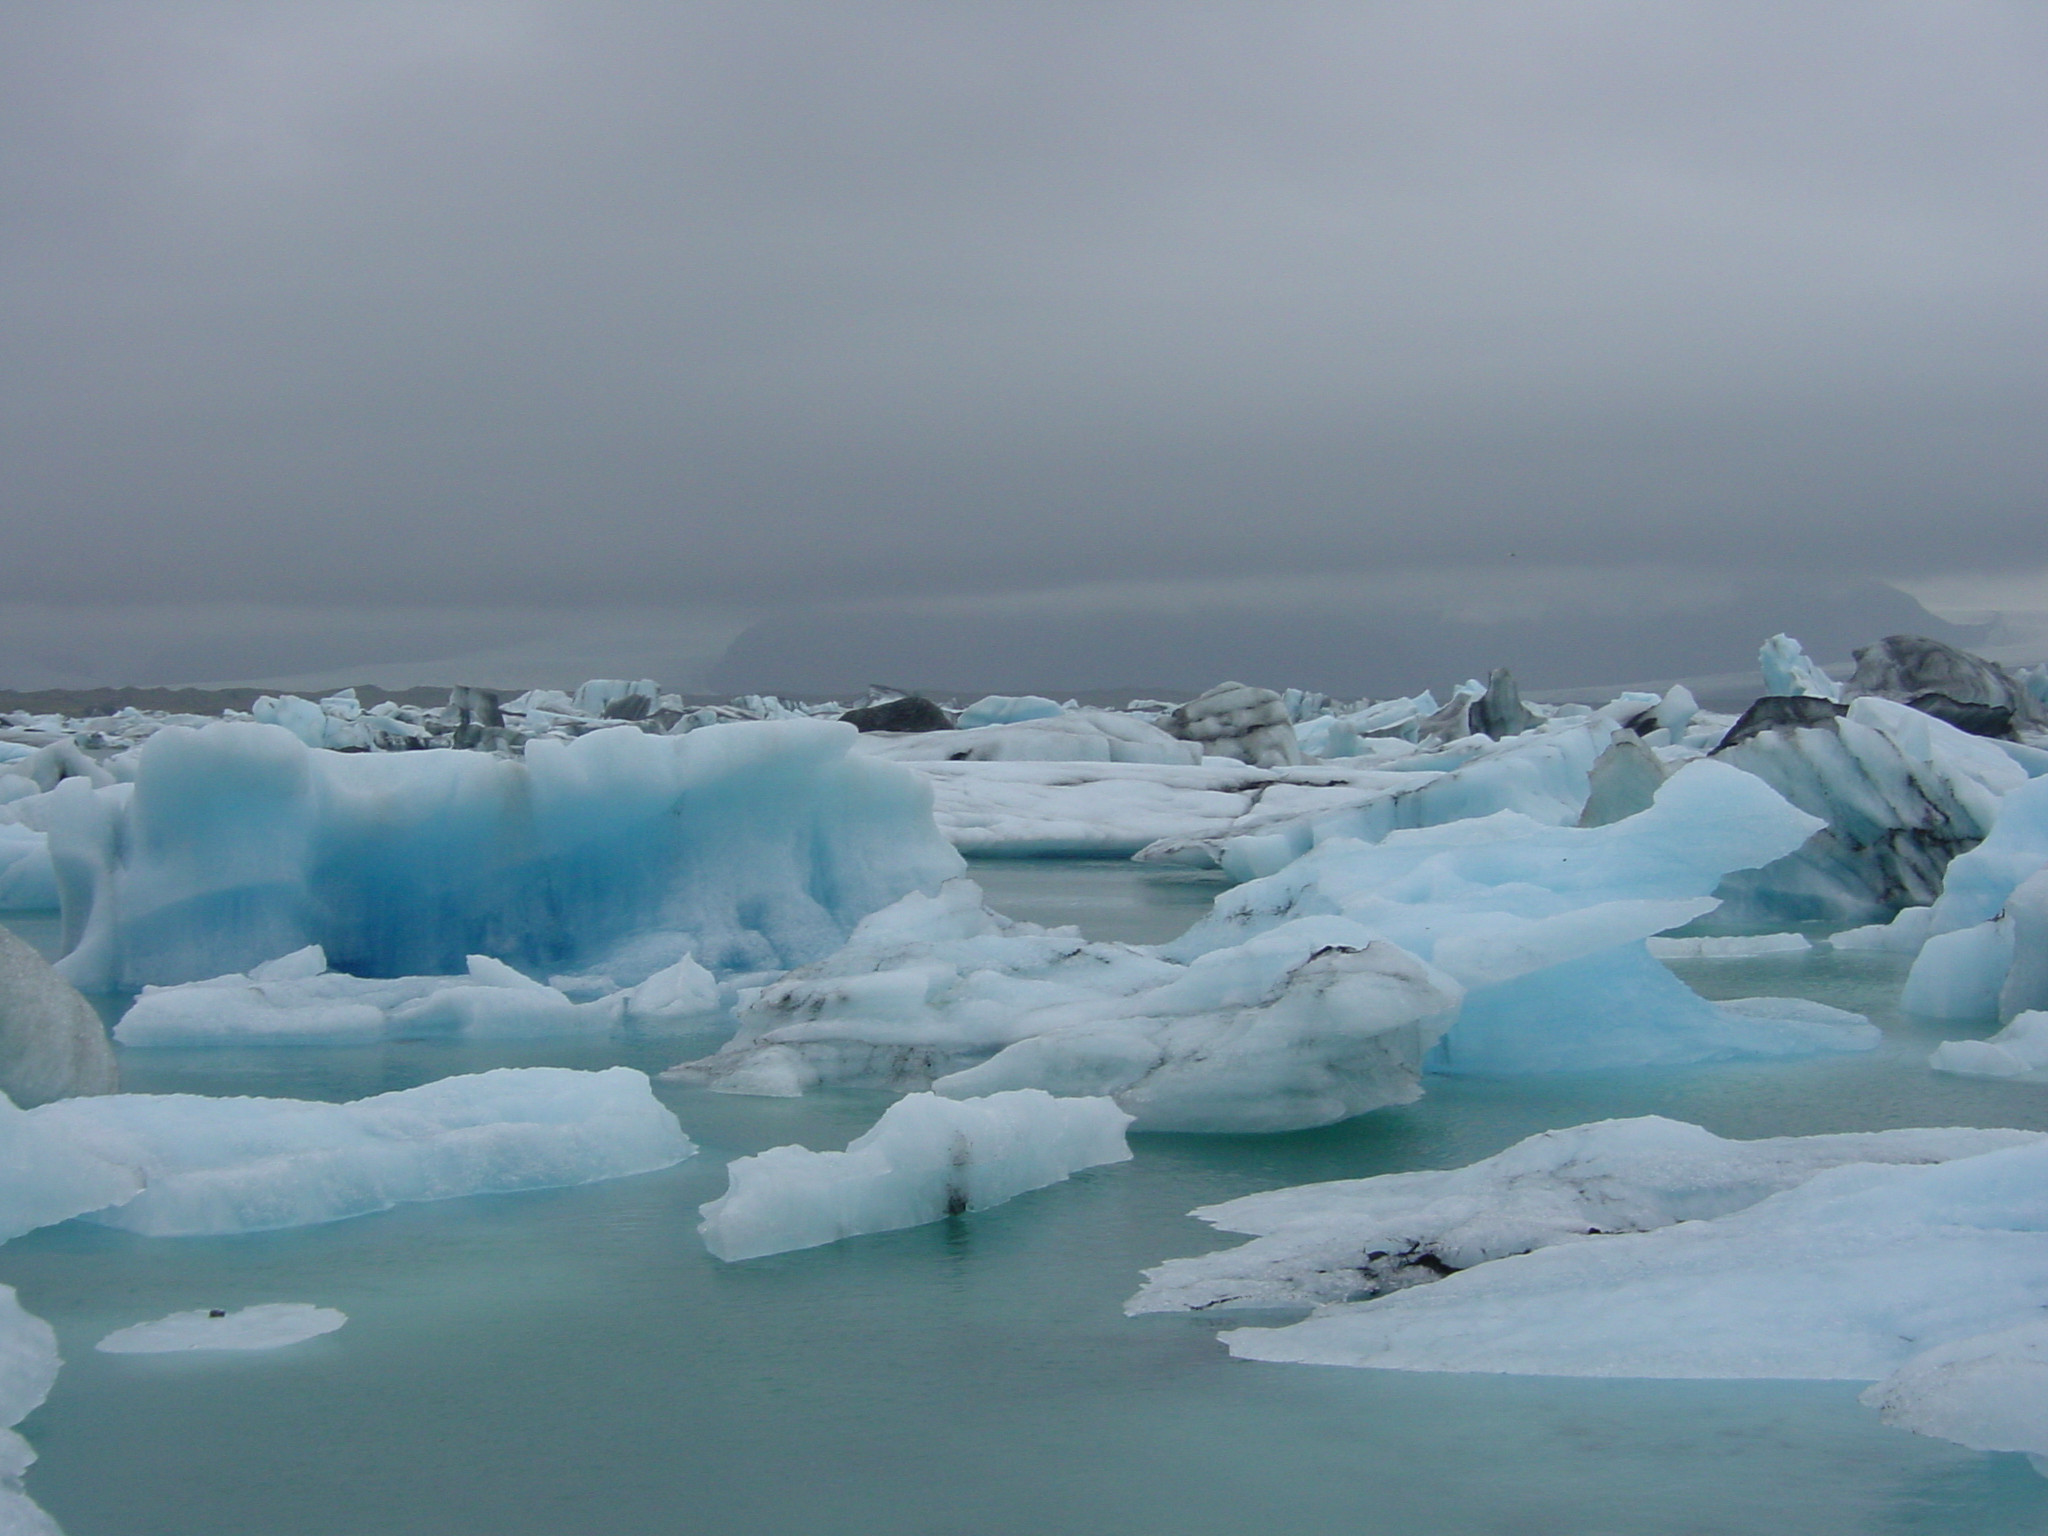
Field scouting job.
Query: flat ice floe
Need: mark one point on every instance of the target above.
(245, 1165)
(1988, 1392)
(1846, 1275)
(927, 1158)
(269, 1325)
(1352, 1239)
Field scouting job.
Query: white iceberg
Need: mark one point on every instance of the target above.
(1543, 924)
(927, 1158)
(1300, 1027)
(1733, 947)
(1788, 670)
(1065, 736)
(246, 1165)
(2015, 1051)
(270, 1325)
(752, 846)
(1353, 1239)
(1983, 950)
(296, 1000)
(28, 1369)
(1845, 1276)
(1988, 1392)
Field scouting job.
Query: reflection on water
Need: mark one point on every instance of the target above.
(573, 1360)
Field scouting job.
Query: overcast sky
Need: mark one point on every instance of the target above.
(424, 327)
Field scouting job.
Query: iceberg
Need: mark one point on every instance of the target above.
(1005, 709)
(1237, 720)
(1114, 810)
(1733, 947)
(249, 1165)
(927, 1158)
(297, 1000)
(2015, 1051)
(46, 1178)
(1988, 1392)
(52, 1043)
(1902, 795)
(1542, 774)
(753, 846)
(28, 1369)
(1350, 1240)
(1845, 1275)
(1067, 736)
(1790, 673)
(1983, 948)
(1296, 1028)
(270, 1325)
(1544, 926)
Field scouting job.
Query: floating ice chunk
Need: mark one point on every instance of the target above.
(1299, 1027)
(1003, 709)
(1353, 1239)
(45, 1178)
(1240, 721)
(288, 1001)
(2019, 1048)
(28, 1369)
(52, 1043)
(1788, 670)
(1903, 935)
(927, 1158)
(1959, 975)
(1081, 735)
(1844, 1276)
(1988, 1392)
(684, 990)
(1733, 947)
(761, 843)
(244, 1165)
(1902, 795)
(1106, 809)
(270, 1325)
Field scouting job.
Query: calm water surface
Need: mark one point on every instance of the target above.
(574, 1361)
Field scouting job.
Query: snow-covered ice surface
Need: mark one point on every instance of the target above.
(211, 1165)
(927, 1158)
(750, 845)
(1065, 736)
(267, 1325)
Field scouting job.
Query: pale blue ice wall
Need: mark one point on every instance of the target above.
(753, 844)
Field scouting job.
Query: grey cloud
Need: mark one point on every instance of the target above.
(753, 305)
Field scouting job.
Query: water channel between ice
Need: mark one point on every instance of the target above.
(574, 1361)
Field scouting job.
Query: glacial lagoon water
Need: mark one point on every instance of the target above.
(574, 1361)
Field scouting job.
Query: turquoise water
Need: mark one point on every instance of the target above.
(573, 1361)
